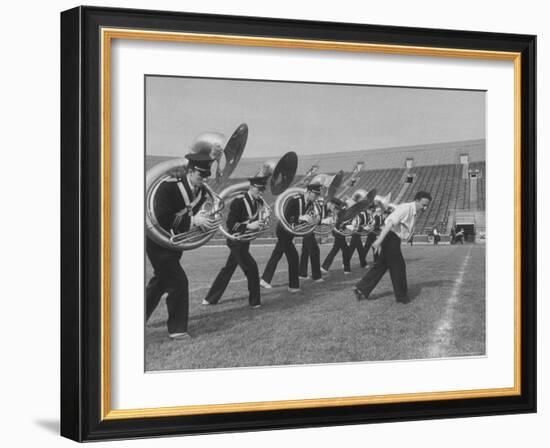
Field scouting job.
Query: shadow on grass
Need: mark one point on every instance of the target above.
(224, 315)
(414, 290)
(227, 313)
(222, 318)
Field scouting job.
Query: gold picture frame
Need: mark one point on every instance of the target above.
(91, 350)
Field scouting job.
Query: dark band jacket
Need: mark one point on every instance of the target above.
(243, 210)
(297, 206)
(365, 221)
(370, 223)
(377, 223)
(176, 203)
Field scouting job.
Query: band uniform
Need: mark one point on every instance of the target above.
(310, 247)
(339, 243)
(243, 213)
(363, 219)
(298, 206)
(176, 205)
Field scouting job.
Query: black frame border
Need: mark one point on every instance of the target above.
(81, 223)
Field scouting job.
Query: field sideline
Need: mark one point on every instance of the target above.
(325, 323)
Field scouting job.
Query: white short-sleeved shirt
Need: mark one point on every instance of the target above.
(403, 219)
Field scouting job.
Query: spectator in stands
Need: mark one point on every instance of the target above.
(437, 237)
(399, 226)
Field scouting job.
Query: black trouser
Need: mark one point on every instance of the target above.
(168, 277)
(339, 244)
(239, 256)
(371, 238)
(390, 258)
(437, 239)
(357, 245)
(310, 250)
(285, 246)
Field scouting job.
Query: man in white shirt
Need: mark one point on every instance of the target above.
(399, 226)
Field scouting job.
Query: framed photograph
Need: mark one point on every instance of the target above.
(276, 224)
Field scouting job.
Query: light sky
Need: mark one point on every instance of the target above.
(306, 118)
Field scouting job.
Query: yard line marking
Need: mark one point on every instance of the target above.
(442, 336)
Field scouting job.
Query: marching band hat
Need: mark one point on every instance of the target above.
(338, 202)
(315, 188)
(200, 162)
(259, 181)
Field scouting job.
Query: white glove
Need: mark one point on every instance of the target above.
(350, 227)
(328, 220)
(199, 220)
(205, 222)
(305, 218)
(253, 225)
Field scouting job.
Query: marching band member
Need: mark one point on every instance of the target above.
(377, 222)
(399, 226)
(310, 249)
(243, 217)
(176, 207)
(298, 210)
(336, 206)
(361, 221)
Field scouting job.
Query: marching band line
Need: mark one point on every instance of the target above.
(183, 213)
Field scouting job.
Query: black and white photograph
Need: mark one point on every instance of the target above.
(293, 223)
(298, 221)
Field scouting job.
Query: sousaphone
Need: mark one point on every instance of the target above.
(349, 216)
(330, 185)
(281, 176)
(226, 157)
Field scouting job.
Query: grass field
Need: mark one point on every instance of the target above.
(325, 323)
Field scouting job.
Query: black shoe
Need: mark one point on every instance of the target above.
(403, 300)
